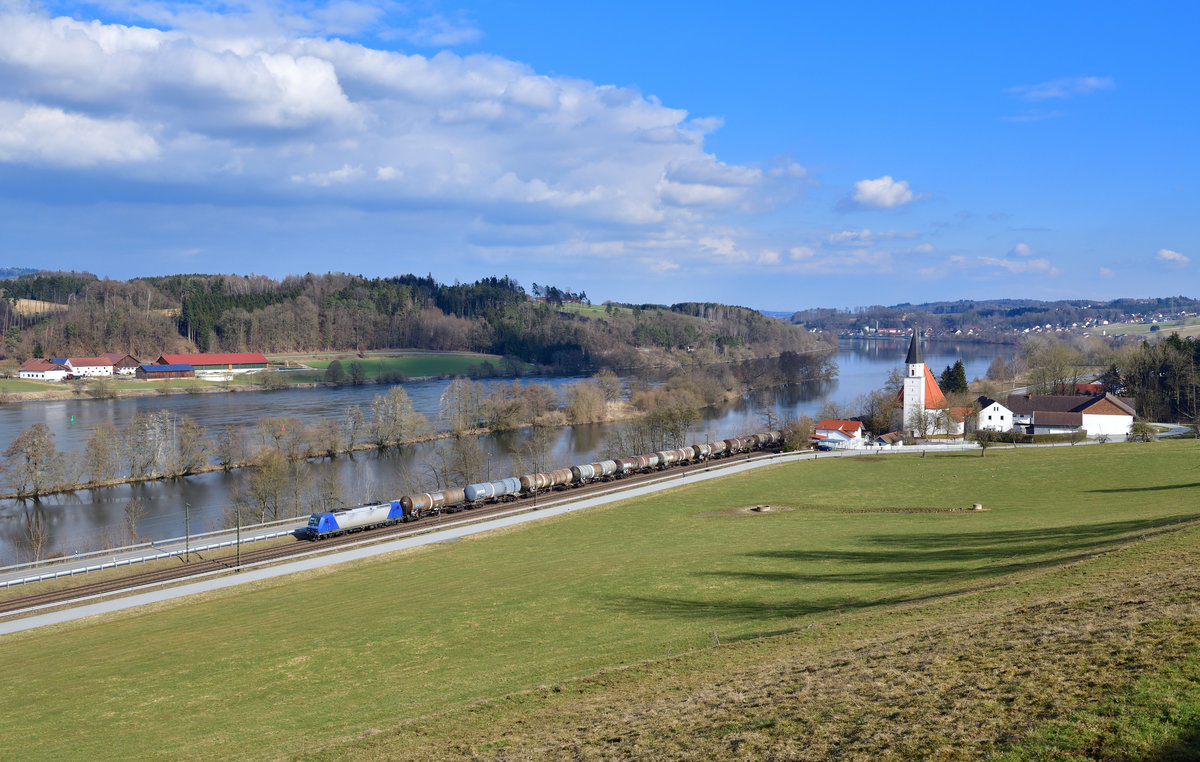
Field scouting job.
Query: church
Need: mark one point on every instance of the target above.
(924, 410)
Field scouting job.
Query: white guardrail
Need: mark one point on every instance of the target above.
(158, 556)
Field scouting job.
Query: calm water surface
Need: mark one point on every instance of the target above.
(90, 518)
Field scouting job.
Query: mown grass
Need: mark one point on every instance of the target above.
(872, 551)
(24, 385)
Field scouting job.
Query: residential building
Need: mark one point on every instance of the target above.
(843, 435)
(38, 369)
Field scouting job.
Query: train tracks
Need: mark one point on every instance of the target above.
(227, 561)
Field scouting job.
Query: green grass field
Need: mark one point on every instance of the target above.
(399, 652)
(23, 385)
(1185, 328)
(413, 365)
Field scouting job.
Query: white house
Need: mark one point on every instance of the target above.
(993, 416)
(38, 369)
(844, 435)
(89, 366)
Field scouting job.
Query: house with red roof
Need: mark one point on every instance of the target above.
(38, 369)
(841, 435)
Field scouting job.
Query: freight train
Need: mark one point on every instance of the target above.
(413, 507)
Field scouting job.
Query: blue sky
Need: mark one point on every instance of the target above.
(780, 156)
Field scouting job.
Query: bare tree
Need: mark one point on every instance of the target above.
(266, 484)
(231, 446)
(462, 405)
(192, 446)
(36, 533)
(393, 418)
(134, 511)
(100, 457)
(352, 425)
(32, 464)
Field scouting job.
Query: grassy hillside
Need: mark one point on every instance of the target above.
(900, 623)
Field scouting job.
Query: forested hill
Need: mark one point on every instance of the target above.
(337, 312)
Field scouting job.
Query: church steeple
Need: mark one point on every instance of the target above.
(914, 350)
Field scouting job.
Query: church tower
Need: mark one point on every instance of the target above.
(914, 382)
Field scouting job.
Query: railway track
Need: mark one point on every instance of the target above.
(226, 561)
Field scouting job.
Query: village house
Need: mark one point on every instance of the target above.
(841, 435)
(80, 367)
(123, 364)
(993, 416)
(38, 369)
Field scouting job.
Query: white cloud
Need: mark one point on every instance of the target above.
(261, 103)
(880, 193)
(1062, 88)
(866, 235)
(1106, 273)
(333, 177)
(439, 31)
(44, 135)
(1172, 257)
(1022, 250)
(1021, 266)
(923, 248)
(769, 257)
(801, 253)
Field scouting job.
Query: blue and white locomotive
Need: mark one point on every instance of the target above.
(344, 520)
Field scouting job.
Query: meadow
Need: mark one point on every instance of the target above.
(867, 600)
(411, 365)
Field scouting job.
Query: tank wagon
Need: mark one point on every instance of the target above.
(412, 507)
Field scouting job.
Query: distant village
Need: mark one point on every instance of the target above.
(923, 414)
(212, 366)
(1087, 326)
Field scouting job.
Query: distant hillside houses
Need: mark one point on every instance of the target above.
(121, 364)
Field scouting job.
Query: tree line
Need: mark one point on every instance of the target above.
(337, 312)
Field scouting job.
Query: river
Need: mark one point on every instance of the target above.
(88, 519)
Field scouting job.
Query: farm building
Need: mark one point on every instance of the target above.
(123, 364)
(153, 371)
(89, 366)
(1098, 415)
(38, 369)
(235, 362)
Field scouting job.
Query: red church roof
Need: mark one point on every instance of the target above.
(934, 399)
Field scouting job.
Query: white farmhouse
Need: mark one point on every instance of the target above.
(843, 435)
(89, 366)
(993, 416)
(38, 369)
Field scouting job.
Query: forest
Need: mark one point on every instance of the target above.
(557, 329)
